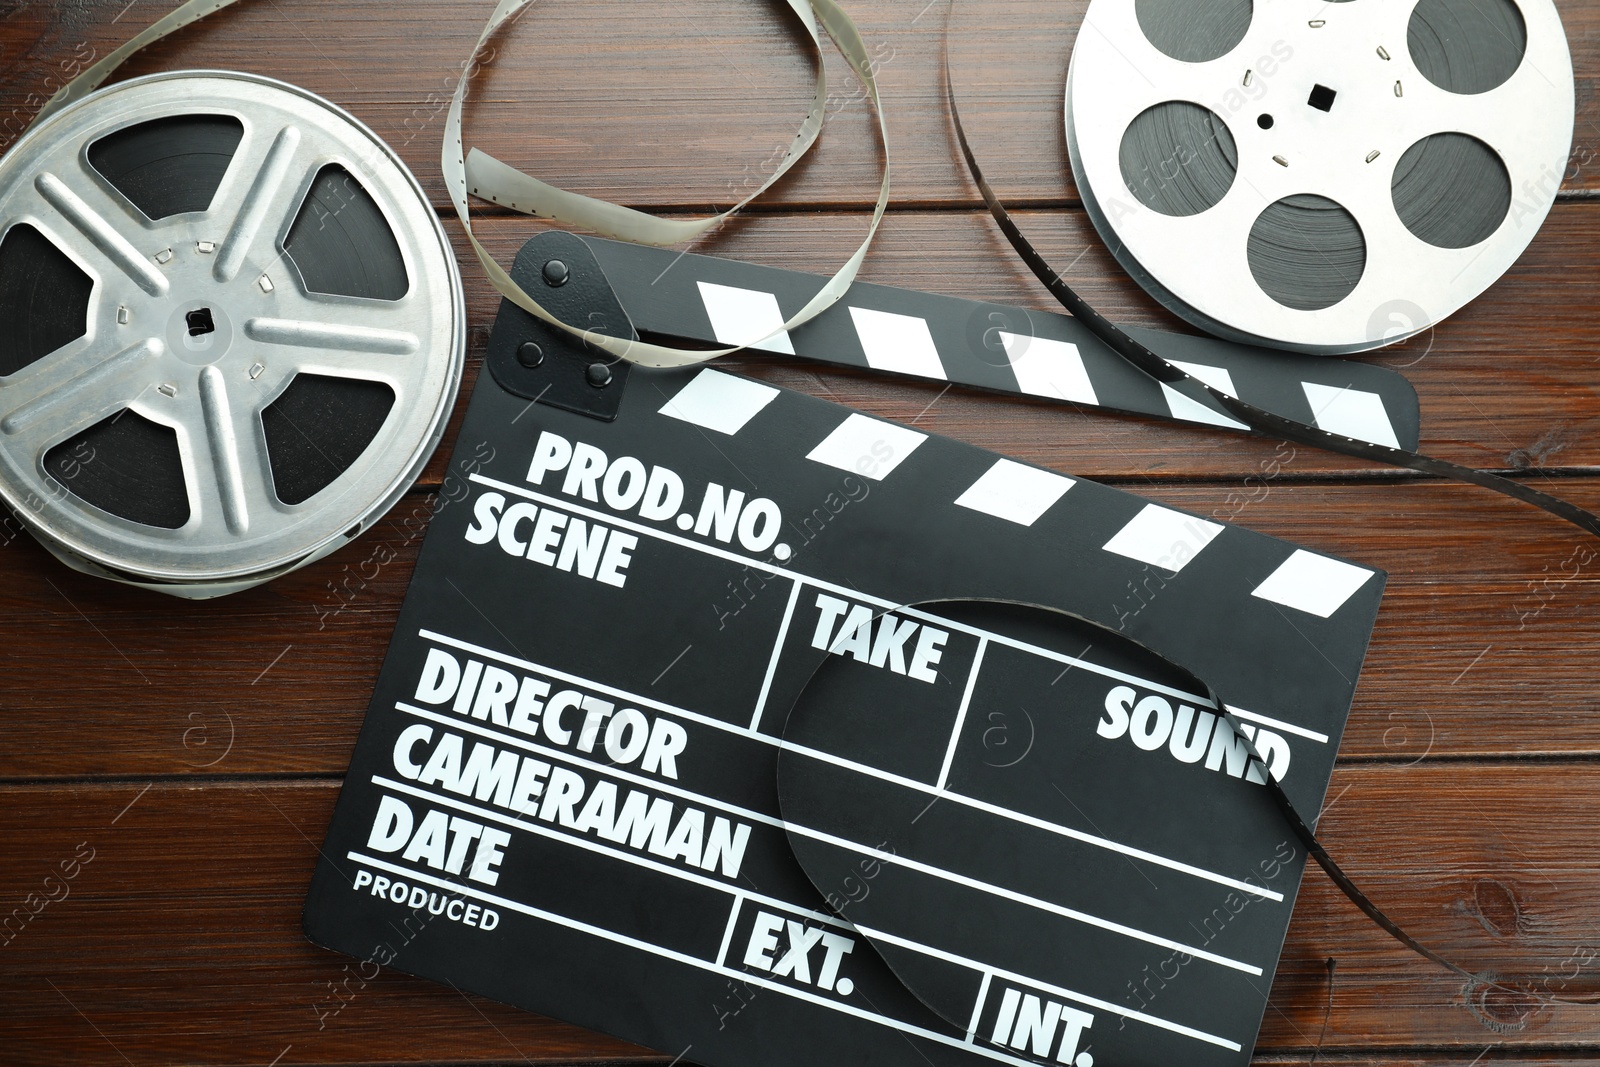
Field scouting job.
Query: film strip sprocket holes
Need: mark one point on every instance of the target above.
(1033, 353)
(564, 795)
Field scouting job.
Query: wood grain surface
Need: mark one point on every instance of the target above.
(181, 760)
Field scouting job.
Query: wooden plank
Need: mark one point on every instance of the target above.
(126, 964)
(1478, 873)
(666, 105)
(198, 892)
(1486, 608)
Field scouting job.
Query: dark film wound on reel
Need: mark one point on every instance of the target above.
(131, 467)
(229, 335)
(1285, 177)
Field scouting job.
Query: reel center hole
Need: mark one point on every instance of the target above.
(200, 334)
(200, 322)
(1322, 97)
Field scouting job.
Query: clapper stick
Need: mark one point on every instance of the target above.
(713, 300)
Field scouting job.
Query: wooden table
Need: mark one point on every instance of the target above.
(181, 760)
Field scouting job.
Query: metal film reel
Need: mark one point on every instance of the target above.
(231, 330)
(1321, 176)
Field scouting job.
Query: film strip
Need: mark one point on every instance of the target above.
(1175, 377)
(711, 300)
(976, 903)
(1178, 378)
(484, 176)
(517, 729)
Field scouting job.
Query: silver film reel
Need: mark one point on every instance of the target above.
(231, 330)
(1321, 176)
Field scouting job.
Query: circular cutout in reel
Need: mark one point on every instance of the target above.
(1291, 183)
(231, 330)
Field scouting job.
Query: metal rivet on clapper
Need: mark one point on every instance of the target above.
(529, 354)
(599, 375)
(556, 273)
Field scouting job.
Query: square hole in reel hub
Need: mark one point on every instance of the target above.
(200, 322)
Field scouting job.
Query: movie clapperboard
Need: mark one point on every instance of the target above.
(1004, 834)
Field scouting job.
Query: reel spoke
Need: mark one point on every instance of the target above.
(264, 186)
(234, 483)
(55, 400)
(343, 337)
(331, 363)
(102, 234)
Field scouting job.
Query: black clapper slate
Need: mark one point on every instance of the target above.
(578, 722)
(1011, 350)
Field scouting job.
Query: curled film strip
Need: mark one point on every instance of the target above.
(486, 177)
(1479, 68)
